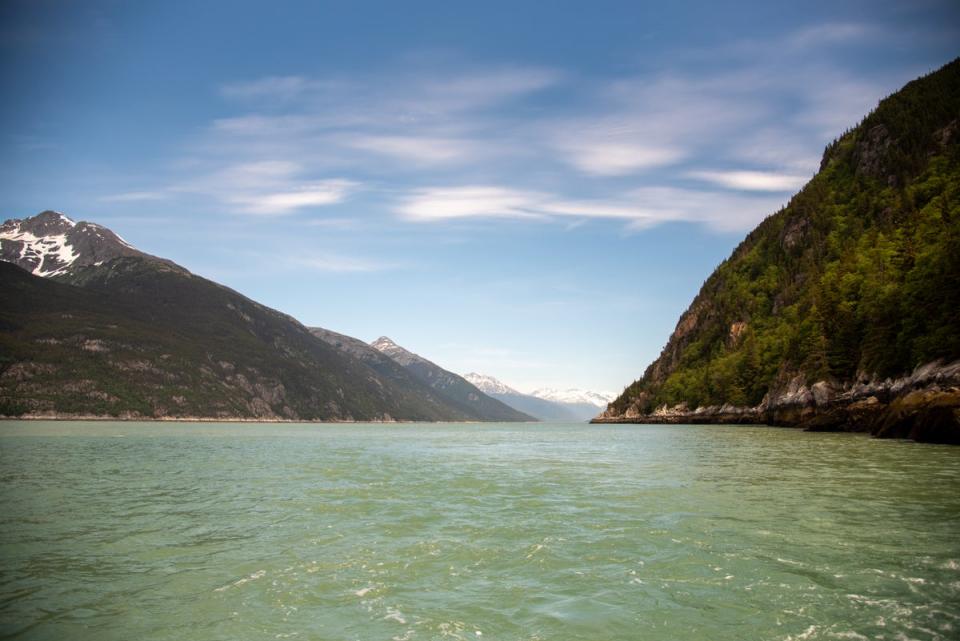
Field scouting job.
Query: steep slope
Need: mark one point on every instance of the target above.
(452, 387)
(406, 384)
(537, 407)
(111, 331)
(142, 339)
(841, 311)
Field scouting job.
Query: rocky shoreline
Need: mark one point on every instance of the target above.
(924, 407)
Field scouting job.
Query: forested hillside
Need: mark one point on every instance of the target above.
(857, 278)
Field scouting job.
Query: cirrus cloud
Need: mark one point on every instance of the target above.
(751, 180)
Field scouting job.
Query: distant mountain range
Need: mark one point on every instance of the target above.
(546, 404)
(453, 387)
(430, 380)
(92, 327)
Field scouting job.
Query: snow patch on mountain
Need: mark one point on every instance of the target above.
(572, 395)
(50, 244)
(46, 255)
(490, 385)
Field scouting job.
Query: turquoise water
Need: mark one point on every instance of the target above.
(482, 532)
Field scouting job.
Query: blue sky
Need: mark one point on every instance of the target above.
(533, 191)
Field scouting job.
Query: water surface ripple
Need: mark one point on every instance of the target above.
(215, 531)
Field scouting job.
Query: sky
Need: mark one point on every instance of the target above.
(533, 191)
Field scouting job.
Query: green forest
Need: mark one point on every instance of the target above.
(858, 276)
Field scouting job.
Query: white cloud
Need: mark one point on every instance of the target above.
(444, 203)
(639, 208)
(340, 264)
(751, 180)
(419, 149)
(762, 110)
(134, 196)
(618, 159)
(719, 210)
(327, 192)
(270, 187)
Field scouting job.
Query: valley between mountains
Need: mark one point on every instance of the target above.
(840, 312)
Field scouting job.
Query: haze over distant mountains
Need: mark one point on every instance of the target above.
(545, 404)
(93, 327)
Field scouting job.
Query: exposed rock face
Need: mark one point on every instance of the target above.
(871, 152)
(794, 232)
(50, 244)
(924, 406)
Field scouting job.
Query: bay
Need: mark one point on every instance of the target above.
(494, 531)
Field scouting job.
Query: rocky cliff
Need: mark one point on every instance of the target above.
(842, 310)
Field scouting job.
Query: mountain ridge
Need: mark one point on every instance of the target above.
(454, 387)
(106, 330)
(540, 408)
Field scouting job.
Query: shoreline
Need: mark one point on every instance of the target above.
(923, 406)
(199, 419)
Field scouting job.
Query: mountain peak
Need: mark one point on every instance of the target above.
(386, 346)
(52, 244)
(489, 385)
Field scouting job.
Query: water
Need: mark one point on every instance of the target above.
(482, 532)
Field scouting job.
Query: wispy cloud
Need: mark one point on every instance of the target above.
(639, 208)
(751, 180)
(473, 201)
(722, 136)
(613, 158)
(318, 194)
(419, 149)
(270, 187)
(135, 196)
(340, 264)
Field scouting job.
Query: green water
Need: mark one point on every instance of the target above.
(185, 531)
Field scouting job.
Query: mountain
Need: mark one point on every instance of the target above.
(586, 397)
(490, 385)
(111, 331)
(542, 409)
(583, 404)
(842, 310)
(454, 388)
(50, 244)
(396, 373)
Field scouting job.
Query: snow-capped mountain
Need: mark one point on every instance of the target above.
(542, 409)
(50, 244)
(574, 396)
(546, 404)
(490, 385)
